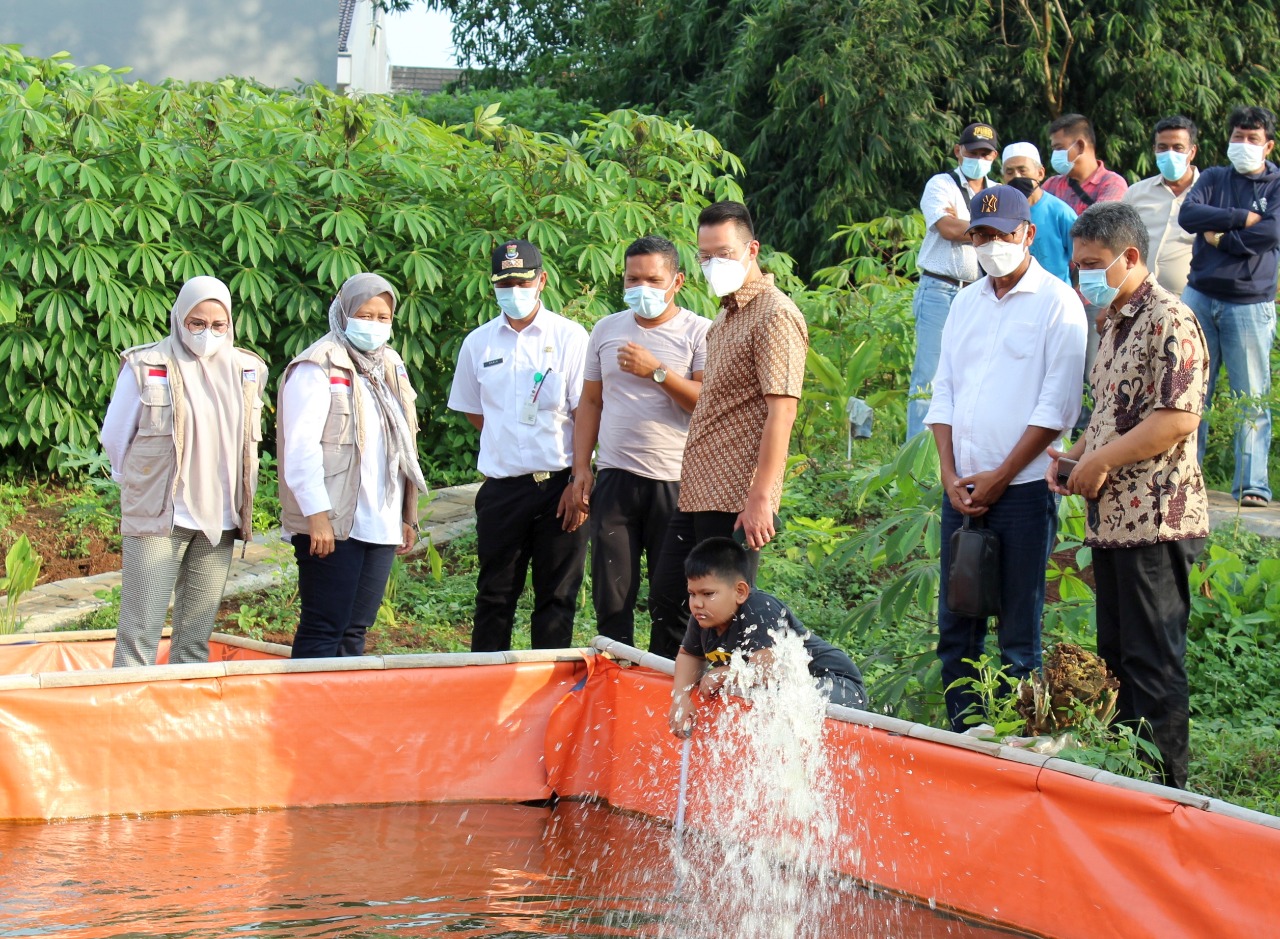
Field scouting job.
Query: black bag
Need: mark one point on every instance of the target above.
(973, 587)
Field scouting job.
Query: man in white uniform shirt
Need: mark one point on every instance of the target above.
(1008, 384)
(642, 379)
(946, 261)
(518, 381)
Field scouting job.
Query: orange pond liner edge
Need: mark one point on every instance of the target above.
(1043, 845)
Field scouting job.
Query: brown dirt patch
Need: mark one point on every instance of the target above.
(68, 545)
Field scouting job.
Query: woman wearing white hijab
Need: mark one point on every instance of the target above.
(182, 433)
(349, 475)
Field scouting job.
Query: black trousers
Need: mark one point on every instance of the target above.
(629, 517)
(516, 524)
(1143, 604)
(669, 588)
(340, 595)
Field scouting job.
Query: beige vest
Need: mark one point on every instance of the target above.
(342, 438)
(152, 460)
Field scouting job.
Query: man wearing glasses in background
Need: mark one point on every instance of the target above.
(731, 478)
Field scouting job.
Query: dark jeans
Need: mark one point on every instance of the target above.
(629, 517)
(1026, 519)
(516, 524)
(669, 596)
(1143, 604)
(340, 596)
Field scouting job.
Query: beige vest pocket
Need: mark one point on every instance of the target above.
(149, 469)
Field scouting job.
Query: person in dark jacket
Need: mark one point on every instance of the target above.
(1235, 214)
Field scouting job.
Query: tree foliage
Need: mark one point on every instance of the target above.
(531, 107)
(842, 108)
(113, 193)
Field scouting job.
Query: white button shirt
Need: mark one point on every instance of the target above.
(1007, 364)
(305, 405)
(497, 374)
(937, 254)
(1169, 252)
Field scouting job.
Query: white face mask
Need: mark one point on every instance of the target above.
(517, 302)
(367, 335)
(203, 344)
(725, 275)
(647, 302)
(1246, 157)
(1001, 258)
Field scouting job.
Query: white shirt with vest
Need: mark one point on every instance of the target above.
(118, 431)
(501, 372)
(305, 402)
(1009, 363)
(937, 254)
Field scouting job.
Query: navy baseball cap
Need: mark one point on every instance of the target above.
(1000, 207)
(516, 260)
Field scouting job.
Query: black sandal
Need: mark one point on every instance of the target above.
(1252, 501)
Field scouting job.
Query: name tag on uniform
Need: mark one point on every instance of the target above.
(492, 362)
(248, 375)
(157, 375)
(529, 412)
(339, 385)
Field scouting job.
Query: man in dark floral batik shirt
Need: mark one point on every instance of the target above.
(1147, 511)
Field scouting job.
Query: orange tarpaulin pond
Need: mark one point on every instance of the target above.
(996, 834)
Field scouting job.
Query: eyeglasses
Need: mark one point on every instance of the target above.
(196, 327)
(726, 254)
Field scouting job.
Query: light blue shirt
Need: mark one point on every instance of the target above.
(1053, 219)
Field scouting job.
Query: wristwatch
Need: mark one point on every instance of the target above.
(659, 374)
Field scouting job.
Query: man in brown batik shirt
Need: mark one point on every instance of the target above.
(736, 452)
(1148, 515)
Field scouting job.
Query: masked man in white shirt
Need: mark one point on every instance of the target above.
(946, 260)
(1008, 384)
(642, 379)
(518, 382)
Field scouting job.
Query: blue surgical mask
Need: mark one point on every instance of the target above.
(517, 302)
(1058, 160)
(973, 168)
(647, 302)
(1094, 286)
(367, 335)
(1172, 164)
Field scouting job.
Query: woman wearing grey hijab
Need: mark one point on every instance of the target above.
(182, 433)
(349, 475)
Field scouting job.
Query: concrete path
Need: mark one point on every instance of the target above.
(445, 515)
(1224, 512)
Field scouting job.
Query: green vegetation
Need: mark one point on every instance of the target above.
(21, 571)
(533, 108)
(112, 194)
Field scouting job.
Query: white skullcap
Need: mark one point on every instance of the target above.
(1021, 149)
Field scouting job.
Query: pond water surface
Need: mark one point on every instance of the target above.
(456, 871)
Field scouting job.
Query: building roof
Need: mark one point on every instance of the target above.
(425, 81)
(346, 12)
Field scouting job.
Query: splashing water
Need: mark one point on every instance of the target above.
(758, 867)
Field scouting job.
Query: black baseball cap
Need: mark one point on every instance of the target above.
(980, 135)
(1000, 207)
(516, 260)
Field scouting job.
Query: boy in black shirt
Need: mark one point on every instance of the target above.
(727, 613)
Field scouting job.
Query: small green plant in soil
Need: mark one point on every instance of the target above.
(21, 571)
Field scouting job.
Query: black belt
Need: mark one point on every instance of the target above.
(538, 478)
(947, 280)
